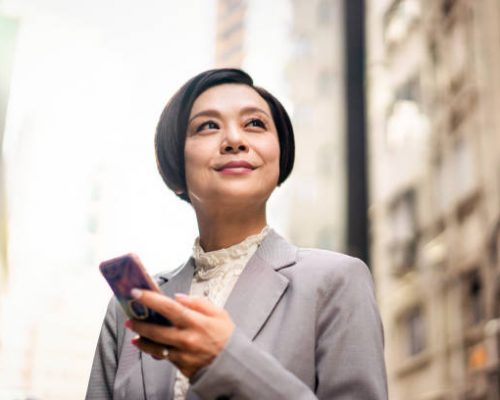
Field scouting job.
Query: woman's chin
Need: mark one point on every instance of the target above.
(232, 197)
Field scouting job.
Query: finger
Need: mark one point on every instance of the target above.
(156, 350)
(167, 336)
(188, 362)
(169, 308)
(199, 304)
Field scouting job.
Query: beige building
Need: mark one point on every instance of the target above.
(433, 74)
(230, 33)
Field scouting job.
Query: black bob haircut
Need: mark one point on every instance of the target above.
(172, 127)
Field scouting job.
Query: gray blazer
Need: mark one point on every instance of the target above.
(307, 328)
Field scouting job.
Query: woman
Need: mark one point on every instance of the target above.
(263, 319)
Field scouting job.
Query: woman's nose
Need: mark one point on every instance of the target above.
(234, 142)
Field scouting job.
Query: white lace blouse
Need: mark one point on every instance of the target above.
(214, 278)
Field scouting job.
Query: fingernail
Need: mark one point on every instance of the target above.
(128, 324)
(136, 293)
(135, 340)
(181, 296)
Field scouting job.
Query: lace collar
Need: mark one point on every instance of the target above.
(207, 261)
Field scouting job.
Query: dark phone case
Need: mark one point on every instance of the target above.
(125, 273)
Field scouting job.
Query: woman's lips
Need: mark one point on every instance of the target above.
(236, 168)
(235, 171)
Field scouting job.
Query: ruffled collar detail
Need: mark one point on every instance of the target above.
(207, 263)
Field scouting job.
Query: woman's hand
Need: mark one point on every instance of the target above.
(200, 331)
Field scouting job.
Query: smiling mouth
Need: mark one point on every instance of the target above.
(236, 168)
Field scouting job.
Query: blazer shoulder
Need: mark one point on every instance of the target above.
(328, 260)
(328, 267)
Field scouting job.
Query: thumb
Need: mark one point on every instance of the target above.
(200, 304)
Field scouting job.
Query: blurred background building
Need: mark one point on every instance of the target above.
(434, 132)
(315, 73)
(8, 32)
(230, 33)
(296, 50)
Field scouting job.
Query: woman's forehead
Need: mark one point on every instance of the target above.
(229, 97)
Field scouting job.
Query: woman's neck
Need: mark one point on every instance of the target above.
(228, 228)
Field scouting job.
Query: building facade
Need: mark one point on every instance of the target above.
(315, 74)
(230, 33)
(433, 73)
(295, 49)
(8, 33)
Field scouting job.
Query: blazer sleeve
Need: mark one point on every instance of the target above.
(350, 346)
(104, 366)
(349, 351)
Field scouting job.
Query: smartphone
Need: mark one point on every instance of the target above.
(125, 273)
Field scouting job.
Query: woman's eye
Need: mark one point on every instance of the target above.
(257, 123)
(207, 125)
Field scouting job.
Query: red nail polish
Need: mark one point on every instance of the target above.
(134, 341)
(128, 323)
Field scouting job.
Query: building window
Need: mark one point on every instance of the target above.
(494, 247)
(496, 308)
(232, 6)
(403, 247)
(441, 190)
(406, 120)
(326, 11)
(409, 90)
(412, 327)
(447, 7)
(326, 238)
(231, 52)
(473, 299)
(459, 52)
(326, 82)
(231, 30)
(416, 331)
(464, 170)
(399, 19)
(301, 47)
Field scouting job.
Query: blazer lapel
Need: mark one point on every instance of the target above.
(260, 286)
(250, 303)
(159, 376)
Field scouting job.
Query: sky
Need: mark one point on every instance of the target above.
(89, 82)
(88, 86)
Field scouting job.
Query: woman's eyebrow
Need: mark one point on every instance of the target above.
(205, 113)
(215, 113)
(251, 109)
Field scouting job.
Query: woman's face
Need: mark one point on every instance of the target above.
(232, 150)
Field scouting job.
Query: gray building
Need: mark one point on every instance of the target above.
(304, 68)
(316, 78)
(433, 75)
